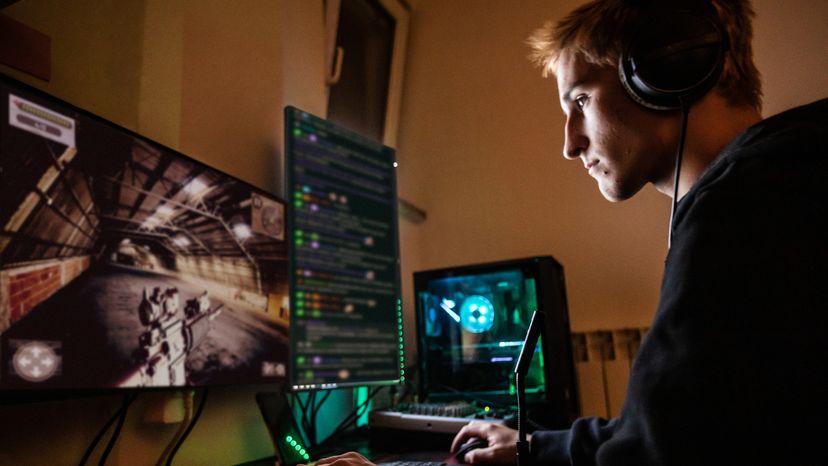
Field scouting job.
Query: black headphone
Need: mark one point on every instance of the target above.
(675, 56)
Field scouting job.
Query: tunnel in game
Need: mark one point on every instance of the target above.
(124, 263)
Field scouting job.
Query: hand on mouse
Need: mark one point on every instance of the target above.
(502, 442)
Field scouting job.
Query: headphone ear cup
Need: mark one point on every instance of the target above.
(675, 58)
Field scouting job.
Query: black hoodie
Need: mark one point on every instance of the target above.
(734, 369)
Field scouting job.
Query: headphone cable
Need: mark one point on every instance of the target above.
(685, 113)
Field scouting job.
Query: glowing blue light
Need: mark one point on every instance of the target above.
(476, 315)
(447, 306)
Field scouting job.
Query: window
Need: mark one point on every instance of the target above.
(365, 56)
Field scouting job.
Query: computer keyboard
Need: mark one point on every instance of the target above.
(446, 418)
(451, 409)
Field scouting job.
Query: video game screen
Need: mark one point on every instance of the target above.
(471, 330)
(124, 263)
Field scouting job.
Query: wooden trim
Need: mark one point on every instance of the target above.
(25, 49)
(395, 79)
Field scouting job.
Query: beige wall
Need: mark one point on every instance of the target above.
(96, 50)
(791, 51)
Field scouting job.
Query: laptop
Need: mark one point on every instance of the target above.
(291, 451)
(287, 440)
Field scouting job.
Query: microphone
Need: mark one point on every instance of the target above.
(521, 369)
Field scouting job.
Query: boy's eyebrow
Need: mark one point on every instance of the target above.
(567, 95)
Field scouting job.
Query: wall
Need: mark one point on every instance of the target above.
(96, 53)
(790, 51)
(231, 119)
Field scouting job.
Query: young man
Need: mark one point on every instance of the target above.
(734, 369)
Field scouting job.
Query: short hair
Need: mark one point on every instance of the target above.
(598, 31)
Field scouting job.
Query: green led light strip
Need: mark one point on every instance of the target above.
(400, 334)
(297, 446)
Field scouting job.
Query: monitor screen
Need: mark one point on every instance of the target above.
(124, 263)
(346, 315)
(471, 324)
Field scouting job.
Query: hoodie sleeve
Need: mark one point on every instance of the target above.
(576, 446)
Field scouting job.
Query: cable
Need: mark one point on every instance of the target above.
(296, 398)
(105, 428)
(685, 113)
(128, 399)
(188, 413)
(321, 402)
(353, 416)
(192, 424)
(97, 438)
(310, 428)
(312, 418)
(315, 411)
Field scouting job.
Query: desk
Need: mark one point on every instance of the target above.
(383, 445)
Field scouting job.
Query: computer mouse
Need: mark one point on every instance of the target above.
(469, 446)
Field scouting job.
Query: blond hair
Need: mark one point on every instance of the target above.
(598, 31)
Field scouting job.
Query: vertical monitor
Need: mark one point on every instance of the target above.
(471, 323)
(346, 317)
(124, 263)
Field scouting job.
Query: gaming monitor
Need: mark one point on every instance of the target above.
(124, 263)
(346, 321)
(471, 324)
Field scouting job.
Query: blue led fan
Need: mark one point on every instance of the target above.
(477, 314)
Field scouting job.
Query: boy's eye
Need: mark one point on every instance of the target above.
(580, 101)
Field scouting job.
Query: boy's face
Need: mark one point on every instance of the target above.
(622, 144)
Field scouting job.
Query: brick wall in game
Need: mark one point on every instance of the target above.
(22, 288)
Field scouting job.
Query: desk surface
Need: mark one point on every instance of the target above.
(381, 446)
